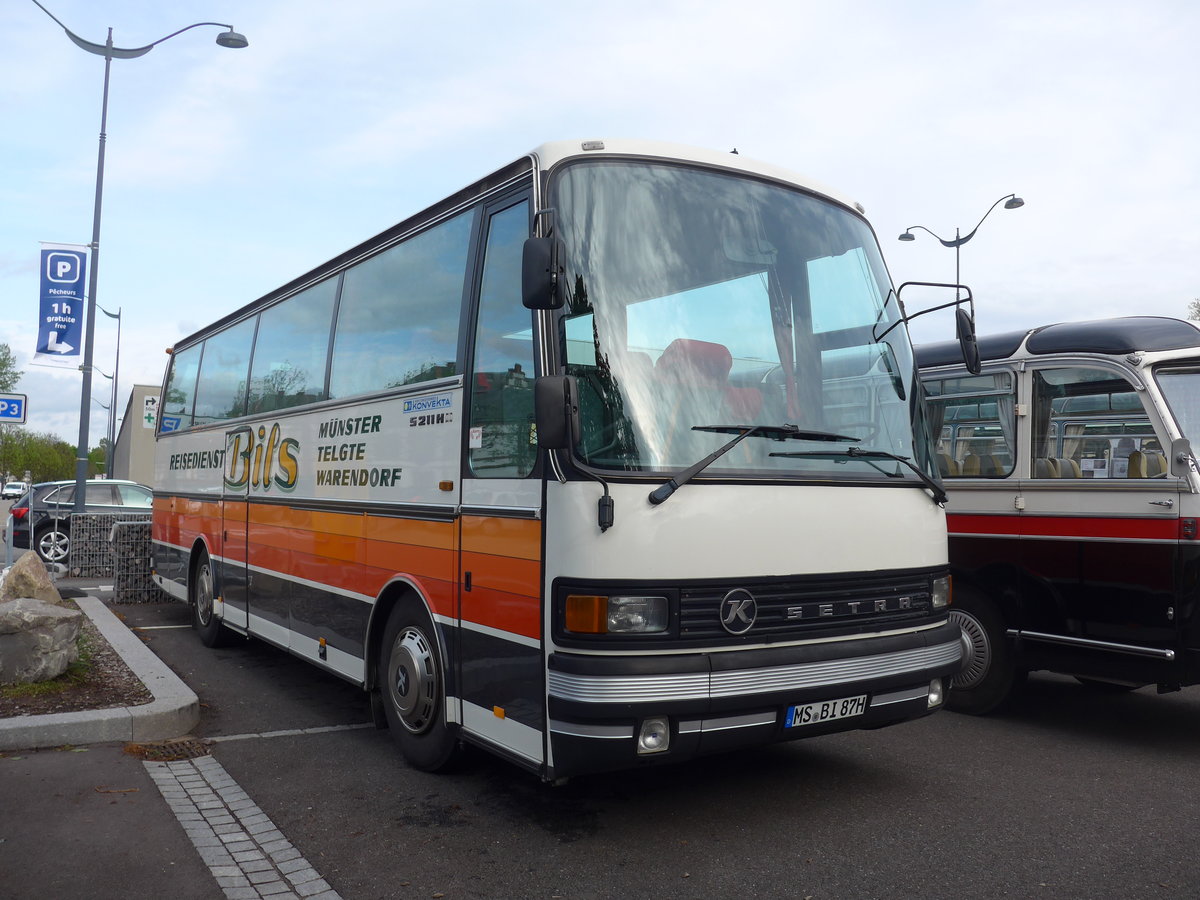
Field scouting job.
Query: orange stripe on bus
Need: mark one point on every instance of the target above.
(512, 576)
(504, 612)
(519, 538)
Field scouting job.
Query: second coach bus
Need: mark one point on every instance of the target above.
(614, 457)
(1074, 502)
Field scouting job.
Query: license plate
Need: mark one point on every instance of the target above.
(825, 711)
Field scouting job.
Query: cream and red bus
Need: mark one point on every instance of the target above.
(614, 457)
(1074, 502)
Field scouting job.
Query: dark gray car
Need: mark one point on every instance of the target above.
(42, 517)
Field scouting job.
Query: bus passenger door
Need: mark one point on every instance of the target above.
(501, 681)
(231, 567)
(1100, 526)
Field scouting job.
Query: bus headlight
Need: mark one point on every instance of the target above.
(590, 614)
(941, 592)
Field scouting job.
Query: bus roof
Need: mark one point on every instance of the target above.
(1106, 336)
(551, 154)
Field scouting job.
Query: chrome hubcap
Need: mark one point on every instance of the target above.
(412, 683)
(978, 657)
(204, 595)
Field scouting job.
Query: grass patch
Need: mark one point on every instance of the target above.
(77, 673)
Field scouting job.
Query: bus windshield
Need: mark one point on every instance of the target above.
(700, 299)
(1181, 386)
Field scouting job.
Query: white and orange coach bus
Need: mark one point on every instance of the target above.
(614, 457)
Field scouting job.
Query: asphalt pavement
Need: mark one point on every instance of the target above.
(1073, 794)
(83, 793)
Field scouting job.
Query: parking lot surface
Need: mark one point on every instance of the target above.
(1072, 793)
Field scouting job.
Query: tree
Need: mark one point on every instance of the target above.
(46, 457)
(1194, 310)
(9, 376)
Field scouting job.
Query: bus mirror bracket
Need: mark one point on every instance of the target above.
(964, 320)
(556, 407)
(1182, 460)
(542, 273)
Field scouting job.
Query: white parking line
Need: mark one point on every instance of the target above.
(249, 857)
(289, 732)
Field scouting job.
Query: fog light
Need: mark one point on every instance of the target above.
(654, 736)
(935, 693)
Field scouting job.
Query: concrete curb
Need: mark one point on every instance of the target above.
(174, 711)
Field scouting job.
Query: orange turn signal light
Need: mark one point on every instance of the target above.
(586, 614)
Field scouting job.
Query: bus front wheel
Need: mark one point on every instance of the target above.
(412, 685)
(988, 676)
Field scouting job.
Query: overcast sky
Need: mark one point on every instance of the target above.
(229, 172)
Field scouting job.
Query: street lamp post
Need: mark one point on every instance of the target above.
(228, 38)
(110, 456)
(1011, 201)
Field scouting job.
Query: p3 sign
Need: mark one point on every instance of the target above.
(12, 409)
(62, 298)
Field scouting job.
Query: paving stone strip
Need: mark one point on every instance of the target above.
(246, 853)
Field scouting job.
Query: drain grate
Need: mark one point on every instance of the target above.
(170, 751)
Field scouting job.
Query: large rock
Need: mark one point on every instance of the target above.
(28, 578)
(37, 640)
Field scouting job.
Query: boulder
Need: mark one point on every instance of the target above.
(28, 578)
(37, 640)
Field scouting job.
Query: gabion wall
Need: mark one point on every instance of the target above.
(117, 547)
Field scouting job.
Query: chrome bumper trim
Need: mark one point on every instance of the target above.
(747, 682)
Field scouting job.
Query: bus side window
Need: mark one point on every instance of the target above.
(974, 417)
(398, 318)
(503, 443)
(180, 394)
(1090, 423)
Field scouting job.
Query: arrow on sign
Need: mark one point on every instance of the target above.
(53, 346)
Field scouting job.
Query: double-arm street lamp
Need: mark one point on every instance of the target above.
(1010, 201)
(227, 38)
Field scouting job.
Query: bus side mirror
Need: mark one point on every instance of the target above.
(965, 329)
(1182, 460)
(556, 408)
(542, 273)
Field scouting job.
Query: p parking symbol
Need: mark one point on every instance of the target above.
(62, 268)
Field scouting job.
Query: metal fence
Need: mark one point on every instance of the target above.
(117, 547)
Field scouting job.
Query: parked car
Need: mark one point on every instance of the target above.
(41, 518)
(14, 489)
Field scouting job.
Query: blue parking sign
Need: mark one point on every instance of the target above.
(62, 299)
(12, 409)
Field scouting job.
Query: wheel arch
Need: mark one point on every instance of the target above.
(200, 545)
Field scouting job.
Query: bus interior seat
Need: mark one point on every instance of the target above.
(701, 363)
(1137, 465)
(1156, 463)
(1045, 467)
(982, 464)
(1068, 467)
(948, 466)
(744, 404)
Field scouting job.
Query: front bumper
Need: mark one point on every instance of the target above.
(721, 701)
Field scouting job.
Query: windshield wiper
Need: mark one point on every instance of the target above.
(939, 495)
(774, 432)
